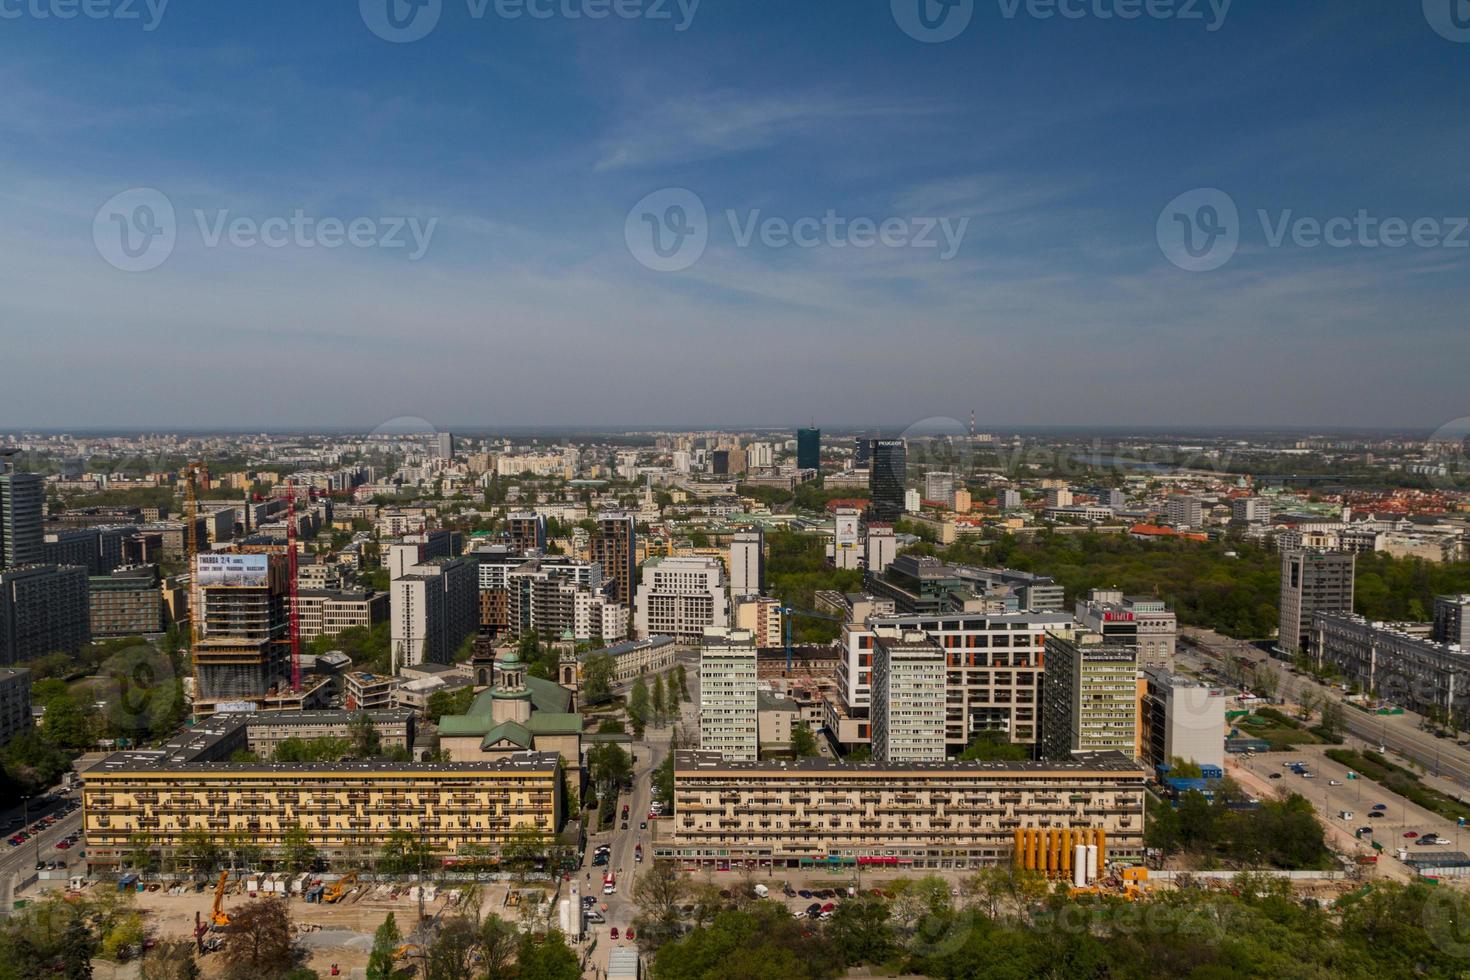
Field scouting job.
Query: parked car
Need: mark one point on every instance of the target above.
(1276, 775)
(813, 910)
(614, 932)
(1411, 834)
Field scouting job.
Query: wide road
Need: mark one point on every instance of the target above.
(1398, 733)
(648, 755)
(19, 862)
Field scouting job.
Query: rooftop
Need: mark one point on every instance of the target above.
(1082, 762)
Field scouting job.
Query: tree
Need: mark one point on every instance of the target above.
(402, 853)
(610, 767)
(297, 852)
(803, 742)
(597, 678)
(171, 959)
(78, 946)
(364, 737)
(258, 943)
(498, 941)
(383, 960)
(453, 954)
(546, 957)
(525, 852)
(994, 747)
(683, 683)
(658, 893)
(859, 931)
(638, 707)
(658, 701)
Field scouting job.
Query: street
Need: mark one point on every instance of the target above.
(18, 862)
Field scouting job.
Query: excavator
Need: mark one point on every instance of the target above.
(339, 888)
(217, 914)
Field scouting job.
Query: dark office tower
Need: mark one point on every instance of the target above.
(861, 451)
(887, 471)
(615, 548)
(809, 449)
(720, 462)
(22, 499)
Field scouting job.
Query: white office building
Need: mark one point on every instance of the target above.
(728, 709)
(679, 597)
(908, 698)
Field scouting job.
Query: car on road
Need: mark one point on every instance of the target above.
(625, 825)
(629, 934)
(1334, 782)
(1276, 775)
(1309, 775)
(1380, 806)
(614, 932)
(1411, 834)
(643, 825)
(1374, 814)
(595, 916)
(1430, 839)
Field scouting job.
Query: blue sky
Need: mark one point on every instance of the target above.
(526, 142)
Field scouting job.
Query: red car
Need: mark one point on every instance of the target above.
(615, 932)
(1411, 833)
(629, 933)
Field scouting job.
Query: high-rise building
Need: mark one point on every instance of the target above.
(434, 608)
(939, 487)
(22, 502)
(887, 474)
(1184, 511)
(43, 609)
(846, 549)
(127, 603)
(1058, 497)
(1250, 510)
(1452, 620)
(728, 708)
(1089, 695)
(719, 462)
(15, 703)
(908, 698)
(862, 452)
(527, 531)
(1312, 582)
(761, 615)
(1010, 500)
(748, 563)
(1181, 718)
(680, 597)
(615, 548)
(443, 445)
(809, 449)
(244, 648)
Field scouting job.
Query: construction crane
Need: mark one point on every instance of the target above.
(217, 913)
(788, 612)
(295, 613)
(191, 541)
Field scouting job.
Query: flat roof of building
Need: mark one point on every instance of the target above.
(142, 761)
(1081, 762)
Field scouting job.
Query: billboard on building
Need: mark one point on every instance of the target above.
(230, 569)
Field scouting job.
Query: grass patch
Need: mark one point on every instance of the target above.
(1399, 780)
(1277, 730)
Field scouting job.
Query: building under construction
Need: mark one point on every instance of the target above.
(242, 653)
